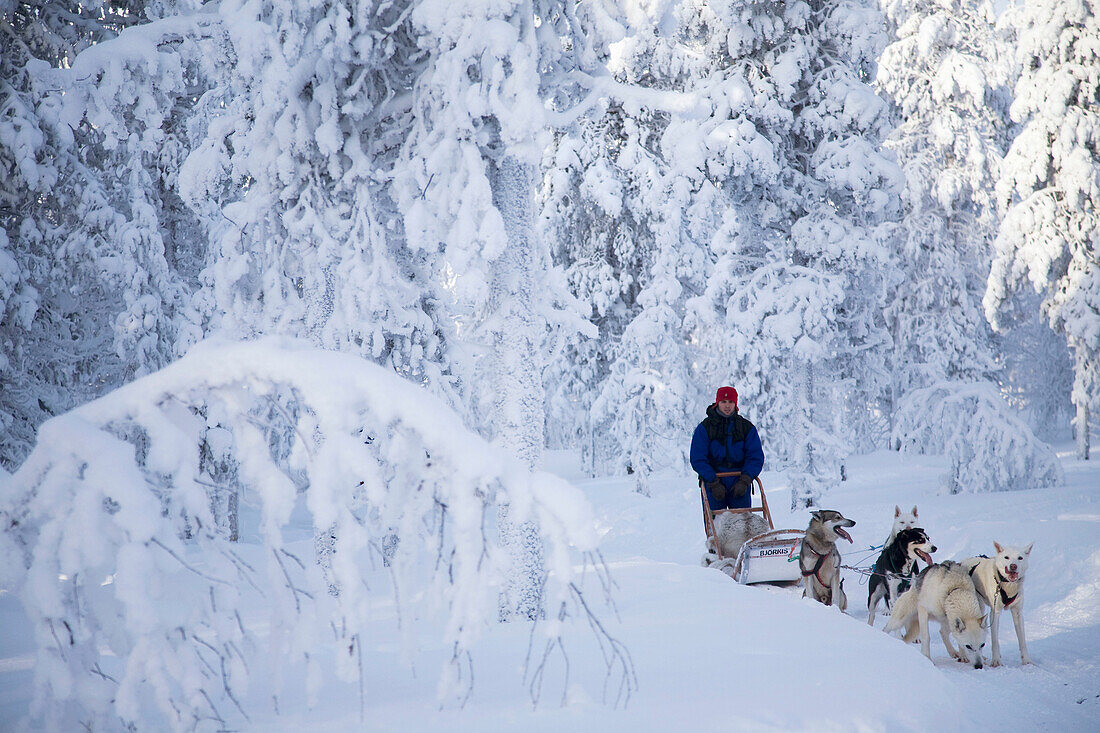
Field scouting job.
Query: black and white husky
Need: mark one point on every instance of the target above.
(896, 567)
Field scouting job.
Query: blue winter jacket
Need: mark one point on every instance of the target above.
(722, 444)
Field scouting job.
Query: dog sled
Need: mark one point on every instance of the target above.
(766, 557)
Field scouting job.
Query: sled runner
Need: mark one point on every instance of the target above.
(768, 557)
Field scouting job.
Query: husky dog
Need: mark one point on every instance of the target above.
(908, 520)
(1000, 585)
(895, 568)
(945, 593)
(820, 560)
(902, 521)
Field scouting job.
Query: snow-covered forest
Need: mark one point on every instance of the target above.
(371, 259)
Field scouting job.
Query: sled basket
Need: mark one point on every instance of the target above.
(770, 557)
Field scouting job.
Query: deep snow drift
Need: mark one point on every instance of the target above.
(709, 654)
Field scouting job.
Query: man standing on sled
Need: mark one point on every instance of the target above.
(725, 442)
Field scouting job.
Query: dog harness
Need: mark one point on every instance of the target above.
(1001, 581)
(817, 567)
(1005, 600)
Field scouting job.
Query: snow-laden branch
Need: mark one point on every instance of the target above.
(693, 104)
(116, 539)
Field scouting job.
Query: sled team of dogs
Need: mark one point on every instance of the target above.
(964, 598)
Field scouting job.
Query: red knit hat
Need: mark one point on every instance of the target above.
(726, 393)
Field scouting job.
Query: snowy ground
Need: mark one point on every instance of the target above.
(709, 654)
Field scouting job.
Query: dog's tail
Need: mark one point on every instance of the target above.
(905, 607)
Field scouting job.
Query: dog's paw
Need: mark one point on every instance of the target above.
(1026, 660)
(994, 662)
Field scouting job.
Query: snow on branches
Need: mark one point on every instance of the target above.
(147, 614)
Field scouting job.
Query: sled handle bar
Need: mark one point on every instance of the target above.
(759, 485)
(763, 508)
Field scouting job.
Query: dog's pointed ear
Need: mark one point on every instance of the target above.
(1027, 550)
(914, 511)
(959, 625)
(897, 511)
(985, 621)
(816, 514)
(997, 547)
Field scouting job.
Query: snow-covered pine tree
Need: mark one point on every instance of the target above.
(615, 210)
(466, 192)
(940, 75)
(642, 405)
(618, 205)
(57, 299)
(596, 176)
(848, 193)
(793, 307)
(991, 451)
(306, 237)
(134, 99)
(1050, 186)
(946, 77)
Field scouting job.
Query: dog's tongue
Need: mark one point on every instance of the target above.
(842, 533)
(925, 556)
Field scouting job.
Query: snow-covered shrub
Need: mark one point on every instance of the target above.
(989, 448)
(145, 610)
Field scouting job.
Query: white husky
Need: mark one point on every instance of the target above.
(945, 593)
(1000, 584)
(902, 520)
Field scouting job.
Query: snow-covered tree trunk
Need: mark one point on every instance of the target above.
(1081, 428)
(519, 422)
(808, 477)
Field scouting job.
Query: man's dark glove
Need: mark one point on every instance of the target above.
(742, 485)
(717, 489)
